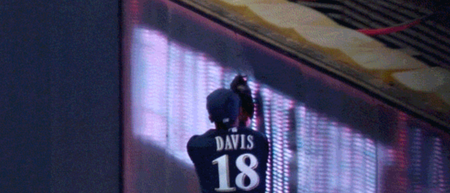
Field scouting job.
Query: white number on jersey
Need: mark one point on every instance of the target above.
(247, 171)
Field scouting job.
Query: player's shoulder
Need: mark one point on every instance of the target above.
(197, 140)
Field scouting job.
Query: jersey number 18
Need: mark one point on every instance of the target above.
(247, 171)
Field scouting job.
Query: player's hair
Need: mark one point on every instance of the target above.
(240, 86)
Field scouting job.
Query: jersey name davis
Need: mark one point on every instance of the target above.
(234, 142)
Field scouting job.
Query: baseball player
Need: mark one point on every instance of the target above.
(229, 158)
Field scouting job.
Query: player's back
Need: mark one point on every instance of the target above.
(233, 160)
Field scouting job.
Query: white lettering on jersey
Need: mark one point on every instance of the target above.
(232, 141)
(235, 139)
(228, 145)
(250, 141)
(219, 143)
(242, 141)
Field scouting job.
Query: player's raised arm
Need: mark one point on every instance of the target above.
(239, 85)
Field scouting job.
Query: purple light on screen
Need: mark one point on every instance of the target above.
(182, 101)
(416, 160)
(318, 154)
(255, 89)
(204, 87)
(169, 88)
(401, 153)
(438, 180)
(332, 157)
(427, 168)
(358, 162)
(228, 77)
(370, 157)
(276, 115)
(267, 112)
(277, 144)
(148, 83)
(346, 172)
(303, 152)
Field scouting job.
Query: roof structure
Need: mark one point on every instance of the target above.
(424, 48)
(428, 41)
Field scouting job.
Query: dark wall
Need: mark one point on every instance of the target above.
(59, 96)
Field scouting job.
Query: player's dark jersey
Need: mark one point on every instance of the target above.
(233, 160)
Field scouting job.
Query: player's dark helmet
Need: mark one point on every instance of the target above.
(239, 85)
(223, 107)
